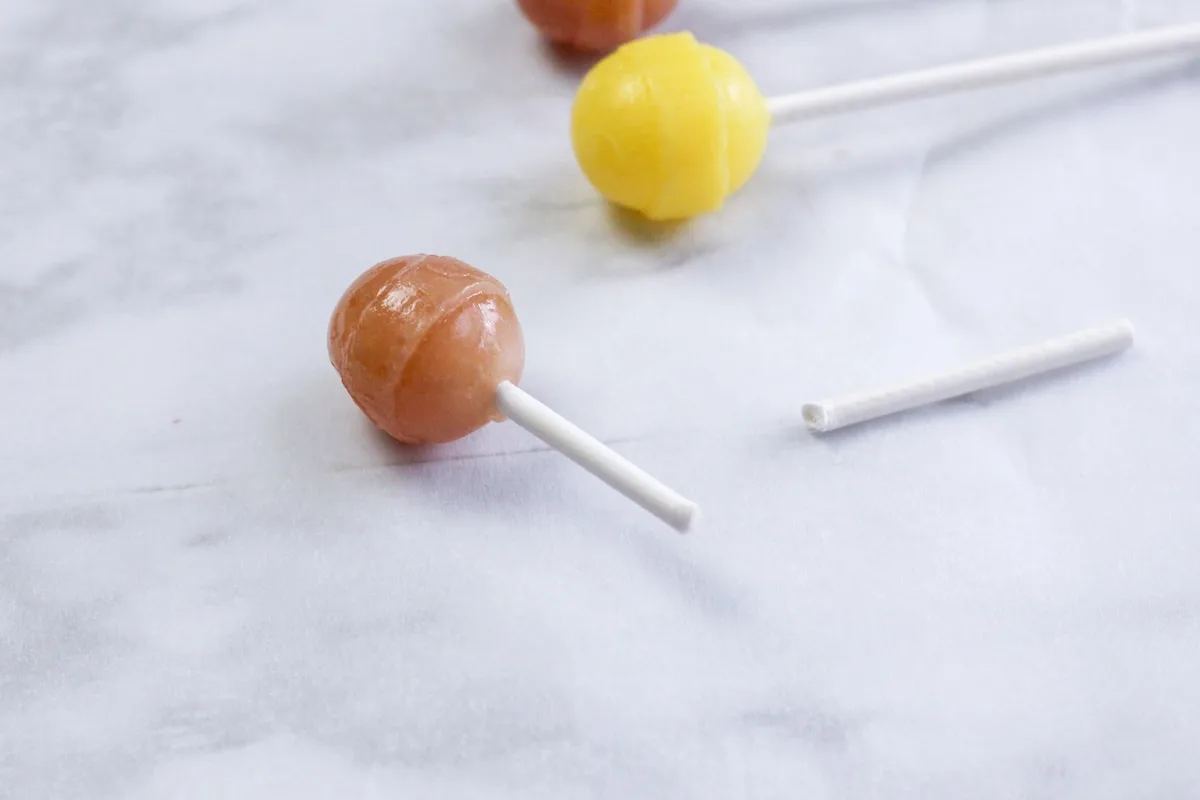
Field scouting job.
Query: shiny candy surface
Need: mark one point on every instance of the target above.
(595, 25)
(669, 127)
(421, 342)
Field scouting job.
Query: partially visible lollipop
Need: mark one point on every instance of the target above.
(670, 127)
(595, 25)
(431, 350)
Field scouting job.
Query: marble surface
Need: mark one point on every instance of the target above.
(216, 580)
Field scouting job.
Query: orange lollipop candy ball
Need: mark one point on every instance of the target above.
(595, 25)
(421, 343)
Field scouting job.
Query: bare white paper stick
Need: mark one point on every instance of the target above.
(1014, 365)
(596, 457)
(984, 72)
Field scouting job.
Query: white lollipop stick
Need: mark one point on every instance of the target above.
(596, 457)
(985, 72)
(1008, 367)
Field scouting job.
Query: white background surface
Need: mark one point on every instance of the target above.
(216, 580)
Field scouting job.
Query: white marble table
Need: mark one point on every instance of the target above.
(217, 581)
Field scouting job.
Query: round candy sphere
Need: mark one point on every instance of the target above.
(595, 25)
(669, 127)
(421, 342)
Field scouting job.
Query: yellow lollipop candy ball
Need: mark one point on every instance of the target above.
(669, 127)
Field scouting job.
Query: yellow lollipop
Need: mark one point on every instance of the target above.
(670, 127)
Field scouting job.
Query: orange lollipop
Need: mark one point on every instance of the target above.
(421, 343)
(431, 350)
(595, 24)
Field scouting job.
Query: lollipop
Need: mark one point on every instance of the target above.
(431, 350)
(595, 25)
(670, 127)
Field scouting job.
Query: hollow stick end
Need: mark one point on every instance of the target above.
(815, 417)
